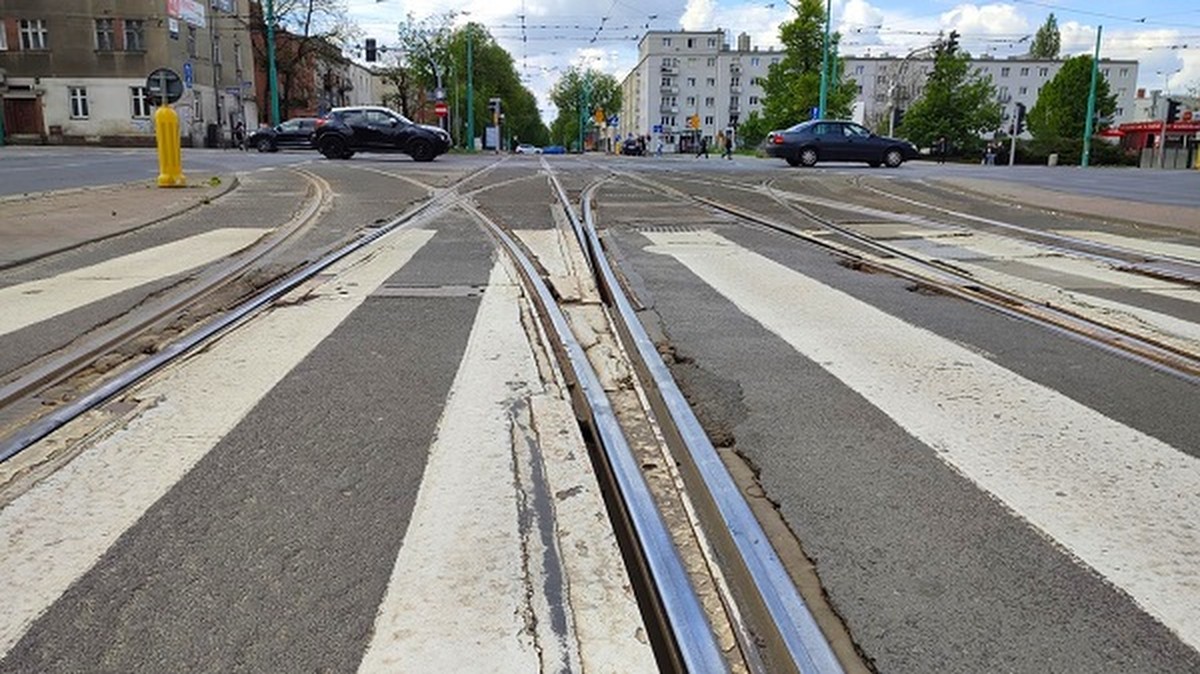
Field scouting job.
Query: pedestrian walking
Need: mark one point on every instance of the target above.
(989, 155)
(940, 148)
(727, 151)
(703, 148)
(658, 148)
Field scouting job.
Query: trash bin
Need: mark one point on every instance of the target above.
(1052, 160)
(211, 136)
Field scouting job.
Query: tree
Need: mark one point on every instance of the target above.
(305, 30)
(793, 86)
(1048, 41)
(578, 89)
(957, 104)
(1061, 108)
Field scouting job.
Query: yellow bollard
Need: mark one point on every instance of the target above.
(170, 152)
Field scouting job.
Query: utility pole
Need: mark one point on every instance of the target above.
(470, 92)
(272, 76)
(824, 66)
(1091, 110)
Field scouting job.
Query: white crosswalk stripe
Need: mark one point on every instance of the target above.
(1121, 501)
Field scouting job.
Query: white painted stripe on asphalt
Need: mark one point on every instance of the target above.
(28, 303)
(463, 548)
(1123, 502)
(57, 530)
(1147, 246)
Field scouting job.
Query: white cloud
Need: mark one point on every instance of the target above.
(985, 19)
(698, 15)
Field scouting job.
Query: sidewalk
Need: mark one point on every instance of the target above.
(1183, 218)
(36, 225)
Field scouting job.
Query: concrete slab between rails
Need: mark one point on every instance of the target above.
(1162, 215)
(35, 225)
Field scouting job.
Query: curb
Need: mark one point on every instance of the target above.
(227, 187)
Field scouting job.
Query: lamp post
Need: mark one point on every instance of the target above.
(272, 76)
(1091, 108)
(824, 65)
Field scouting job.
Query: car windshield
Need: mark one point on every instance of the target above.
(800, 127)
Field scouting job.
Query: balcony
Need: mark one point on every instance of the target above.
(735, 88)
(669, 70)
(669, 89)
(735, 108)
(735, 68)
(669, 109)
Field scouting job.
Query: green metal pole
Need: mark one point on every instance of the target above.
(824, 66)
(272, 75)
(470, 92)
(1091, 113)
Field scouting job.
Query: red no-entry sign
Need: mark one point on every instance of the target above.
(440, 109)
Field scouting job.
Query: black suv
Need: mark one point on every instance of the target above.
(345, 131)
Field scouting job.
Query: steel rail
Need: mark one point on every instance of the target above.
(70, 360)
(792, 625)
(693, 639)
(17, 442)
(1188, 272)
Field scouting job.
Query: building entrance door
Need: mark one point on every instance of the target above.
(22, 116)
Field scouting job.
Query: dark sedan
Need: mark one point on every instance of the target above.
(830, 140)
(294, 133)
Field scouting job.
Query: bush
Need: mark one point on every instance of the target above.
(1070, 152)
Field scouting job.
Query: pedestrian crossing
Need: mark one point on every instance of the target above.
(1121, 501)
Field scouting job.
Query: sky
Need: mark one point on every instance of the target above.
(546, 37)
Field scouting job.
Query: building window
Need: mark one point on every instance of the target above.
(754, 100)
(1004, 72)
(711, 62)
(691, 81)
(735, 81)
(1124, 72)
(691, 101)
(665, 120)
(104, 35)
(712, 42)
(666, 81)
(79, 102)
(775, 61)
(1043, 72)
(691, 43)
(1104, 71)
(1025, 72)
(141, 102)
(3, 37)
(710, 102)
(712, 82)
(754, 61)
(666, 42)
(733, 102)
(191, 41)
(33, 35)
(1119, 112)
(216, 49)
(134, 30)
(709, 121)
(858, 70)
(1023, 90)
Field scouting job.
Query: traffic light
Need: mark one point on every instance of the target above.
(372, 52)
(1019, 124)
(494, 108)
(952, 43)
(1172, 111)
(897, 117)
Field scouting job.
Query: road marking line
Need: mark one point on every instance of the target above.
(55, 532)
(1121, 501)
(36, 301)
(1147, 246)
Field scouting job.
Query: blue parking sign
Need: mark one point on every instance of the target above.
(187, 74)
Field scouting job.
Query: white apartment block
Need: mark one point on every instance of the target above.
(683, 73)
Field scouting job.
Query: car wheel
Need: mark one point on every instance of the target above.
(893, 158)
(420, 150)
(792, 161)
(347, 154)
(808, 156)
(333, 147)
(263, 145)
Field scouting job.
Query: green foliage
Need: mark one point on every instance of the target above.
(432, 41)
(1070, 150)
(752, 131)
(793, 86)
(1048, 41)
(589, 90)
(957, 104)
(1061, 108)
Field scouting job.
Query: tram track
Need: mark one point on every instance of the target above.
(32, 420)
(863, 251)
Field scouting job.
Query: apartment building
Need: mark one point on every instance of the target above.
(682, 74)
(886, 83)
(75, 72)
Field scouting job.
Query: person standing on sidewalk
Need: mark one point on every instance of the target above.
(703, 147)
(940, 149)
(727, 148)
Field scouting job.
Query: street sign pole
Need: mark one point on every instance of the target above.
(470, 94)
(272, 76)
